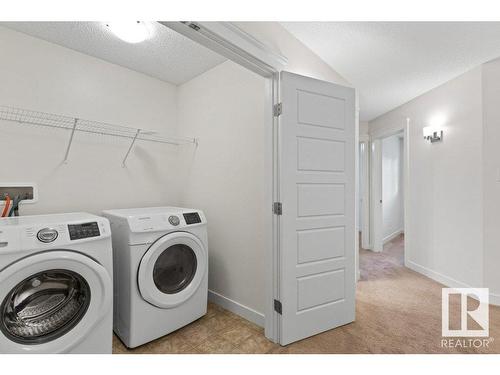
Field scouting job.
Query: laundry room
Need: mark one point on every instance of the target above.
(91, 121)
(218, 186)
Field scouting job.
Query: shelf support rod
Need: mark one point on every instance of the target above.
(130, 147)
(70, 141)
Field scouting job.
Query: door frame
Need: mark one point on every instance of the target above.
(230, 41)
(365, 209)
(376, 184)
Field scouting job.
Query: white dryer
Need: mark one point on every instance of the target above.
(56, 284)
(161, 271)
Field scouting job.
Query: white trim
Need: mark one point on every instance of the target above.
(446, 280)
(406, 189)
(272, 321)
(365, 209)
(237, 308)
(237, 45)
(436, 276)
(376, 136)
(376, 222)
(392, 235)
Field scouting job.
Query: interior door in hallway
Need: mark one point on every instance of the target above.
(317, 191)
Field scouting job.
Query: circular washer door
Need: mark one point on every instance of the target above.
(49, 302)
(172, 269)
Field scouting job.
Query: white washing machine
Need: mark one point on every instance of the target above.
(56, 284)
(161, 271)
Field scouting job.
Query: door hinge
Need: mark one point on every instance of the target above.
(278, 109)
(277, 306)
(278, 208)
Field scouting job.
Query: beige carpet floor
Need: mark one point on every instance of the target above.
(397, 311)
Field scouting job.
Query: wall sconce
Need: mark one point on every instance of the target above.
(433, 133)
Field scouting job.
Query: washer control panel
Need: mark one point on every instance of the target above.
(47, 235)
(84, 230)
(192, 218)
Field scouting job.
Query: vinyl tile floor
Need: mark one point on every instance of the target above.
(218, 332)
(397, 311)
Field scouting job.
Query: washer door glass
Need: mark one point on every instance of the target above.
(44, 306)
(174, 269)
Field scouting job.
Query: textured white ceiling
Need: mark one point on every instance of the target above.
(167, 56)
(393, 62)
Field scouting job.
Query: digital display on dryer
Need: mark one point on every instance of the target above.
(192, 218)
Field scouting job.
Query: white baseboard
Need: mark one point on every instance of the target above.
(237, 308)
(436, 276)
(446, 280)
(392, 236)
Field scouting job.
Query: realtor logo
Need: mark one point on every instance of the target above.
(477, 317)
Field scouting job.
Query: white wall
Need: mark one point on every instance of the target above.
(38, 75)
(224, 107)
(392, 187)
(491, 176)
(363, 128)
(444, 228)
(301, 60)
(225, 176)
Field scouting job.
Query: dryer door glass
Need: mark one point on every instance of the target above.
(44, 306)
(175, 268)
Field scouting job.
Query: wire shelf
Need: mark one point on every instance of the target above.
(74, 124)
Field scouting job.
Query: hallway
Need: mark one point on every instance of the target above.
(397, 311)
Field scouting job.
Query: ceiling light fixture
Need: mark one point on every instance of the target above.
(130, 31)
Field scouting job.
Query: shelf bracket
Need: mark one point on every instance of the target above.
(130, 147)
(70, 140)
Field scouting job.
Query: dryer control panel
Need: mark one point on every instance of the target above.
(192, 218)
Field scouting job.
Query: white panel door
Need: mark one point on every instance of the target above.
(316, 188)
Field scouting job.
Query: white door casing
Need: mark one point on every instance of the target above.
(376, 186)
(317, 190)
(364, 164)
(376, 201)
